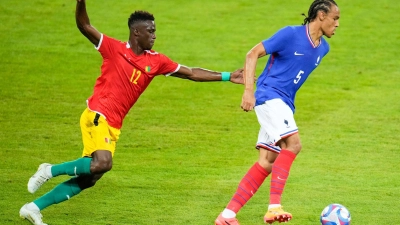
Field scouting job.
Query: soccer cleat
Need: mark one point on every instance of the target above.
(277, 214)
(34, 216)
(224, 221)
(38, 179)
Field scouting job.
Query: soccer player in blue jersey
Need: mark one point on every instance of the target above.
(295, 51)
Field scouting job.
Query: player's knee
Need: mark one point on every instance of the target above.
(101, 166)
(88, 181)
(266, 165)
(295, 148)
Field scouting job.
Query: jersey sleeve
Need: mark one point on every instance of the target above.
(105, 46)
(277, 42)
(167, 66)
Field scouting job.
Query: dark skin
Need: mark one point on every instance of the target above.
(141, 37)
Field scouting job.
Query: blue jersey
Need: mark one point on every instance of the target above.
(293, 57)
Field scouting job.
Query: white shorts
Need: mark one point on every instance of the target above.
(277, 121)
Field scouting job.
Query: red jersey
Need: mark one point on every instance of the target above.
(124, 77)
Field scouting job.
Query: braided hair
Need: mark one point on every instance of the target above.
(317, 5)
(139, 16)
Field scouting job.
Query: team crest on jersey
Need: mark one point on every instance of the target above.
(147, 68)
(107, 140)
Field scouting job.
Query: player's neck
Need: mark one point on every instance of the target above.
(314, 32)
(135, 48)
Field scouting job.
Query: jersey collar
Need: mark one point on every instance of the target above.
(310, 39)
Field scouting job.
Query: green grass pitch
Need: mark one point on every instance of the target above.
(185, 146)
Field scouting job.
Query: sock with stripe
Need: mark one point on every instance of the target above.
(60, 193)
(80, 166)
(248, 186)
(280, 173)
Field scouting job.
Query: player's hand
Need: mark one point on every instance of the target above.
(248, 101)
(237, 77)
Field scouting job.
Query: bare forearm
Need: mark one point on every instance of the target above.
(197, 74)
(249, 71)
(81, 16)
(203, 75)
(83, 23)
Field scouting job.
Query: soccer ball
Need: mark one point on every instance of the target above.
(335, 214)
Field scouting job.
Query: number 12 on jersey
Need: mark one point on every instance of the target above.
(135, 76)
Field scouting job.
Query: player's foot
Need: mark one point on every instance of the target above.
(39, 178)
(224, 221)
(34, 216)
(277, 214)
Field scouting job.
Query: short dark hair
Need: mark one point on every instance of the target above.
(139, 16)
(324, 5)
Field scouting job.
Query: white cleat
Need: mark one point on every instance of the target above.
(39, 178)
(34, 216)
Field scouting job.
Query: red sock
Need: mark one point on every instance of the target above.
(247, 187)
(280, 173)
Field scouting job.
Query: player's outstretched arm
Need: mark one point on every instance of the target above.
(204, 75)
(248, 99)
(83, 23)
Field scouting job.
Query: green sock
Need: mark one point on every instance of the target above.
(60, 193)
(73, 168)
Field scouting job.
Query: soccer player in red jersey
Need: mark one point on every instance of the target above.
(127, 70)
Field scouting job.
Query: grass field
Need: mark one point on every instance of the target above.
(185, 146)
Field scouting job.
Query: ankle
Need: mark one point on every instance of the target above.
(32, 206)
(271, 206)
(228, 214)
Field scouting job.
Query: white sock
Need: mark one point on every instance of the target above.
(273, 206)
(48, 172)
(227, 213)
(32, 206)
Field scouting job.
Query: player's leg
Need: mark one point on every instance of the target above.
(62, 192)
(101, 163)
(279, 176)
(96, 134)
(94, 131)
(279, 123)
(47, 171)
(248, 186)
(256, 175)
(280, 171)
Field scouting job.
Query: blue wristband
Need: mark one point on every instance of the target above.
(226, 76)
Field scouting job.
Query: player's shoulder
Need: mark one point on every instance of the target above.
(296, 29)
(325, 45)
(324, 42)
(107, 38)
(291, 30)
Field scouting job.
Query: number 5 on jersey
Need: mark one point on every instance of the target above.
(298, 77)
